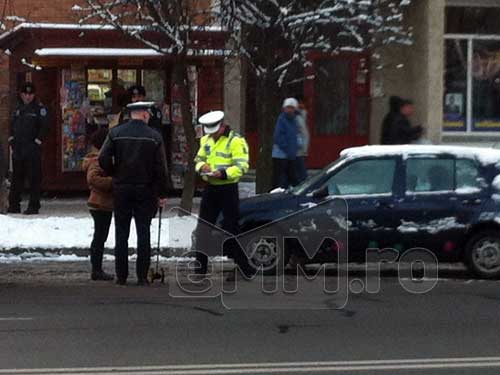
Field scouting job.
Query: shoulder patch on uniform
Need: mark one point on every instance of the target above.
(158, 114)
(17, 113)
(43, 112)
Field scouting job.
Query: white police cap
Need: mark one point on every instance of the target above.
(212, 121)
(140, 106)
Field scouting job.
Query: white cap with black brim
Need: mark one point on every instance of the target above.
(212, 121)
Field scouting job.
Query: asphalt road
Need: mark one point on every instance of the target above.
(74, 326)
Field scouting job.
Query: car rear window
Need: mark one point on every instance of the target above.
(430, 175)
(441, 174)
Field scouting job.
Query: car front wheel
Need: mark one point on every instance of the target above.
(268, 256)
(482, 254)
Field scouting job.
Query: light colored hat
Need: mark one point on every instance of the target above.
(140, 106)
(291, 102)
(212, 121)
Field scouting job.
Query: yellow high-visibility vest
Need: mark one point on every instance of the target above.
(229, 153)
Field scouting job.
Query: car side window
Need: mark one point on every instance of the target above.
(430, 175)
(373, 176)
(468, 176)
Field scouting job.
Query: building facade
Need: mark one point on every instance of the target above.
(82, 74)
(451, 72)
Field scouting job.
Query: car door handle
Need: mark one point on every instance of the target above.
(384, 205)
(472, 202)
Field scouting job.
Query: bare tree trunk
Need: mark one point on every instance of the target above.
(180, 77)
(268, 107)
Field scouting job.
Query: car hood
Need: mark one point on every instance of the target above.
(266, 202)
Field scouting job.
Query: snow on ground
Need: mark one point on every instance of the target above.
(51, 233)
(34, 257)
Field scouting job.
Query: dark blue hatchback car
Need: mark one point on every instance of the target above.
(442, 198)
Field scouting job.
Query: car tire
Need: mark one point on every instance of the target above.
(482, 254)
(268, 256)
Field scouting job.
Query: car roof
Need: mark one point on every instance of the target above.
(482, 154)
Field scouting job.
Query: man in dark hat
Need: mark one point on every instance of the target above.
(396, 127)
(29, 126)
(134, 155)
(137, 93)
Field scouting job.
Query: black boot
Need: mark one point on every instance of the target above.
(31, 211)
(96, 261)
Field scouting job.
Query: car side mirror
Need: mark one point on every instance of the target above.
(321, 192)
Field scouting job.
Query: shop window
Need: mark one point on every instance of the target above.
(472, 20)
(455, 85)
(486, 85)
(154, 83)
(472, 76)
(126, 77)
(332, 101)
(99, 87)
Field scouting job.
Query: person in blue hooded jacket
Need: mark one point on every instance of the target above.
(286, 146)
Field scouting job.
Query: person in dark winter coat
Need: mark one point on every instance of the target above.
(286, 147)
(134, 155)
(100, 204)
(28, 129)
(396, 127)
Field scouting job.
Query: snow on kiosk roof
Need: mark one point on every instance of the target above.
(483, 155)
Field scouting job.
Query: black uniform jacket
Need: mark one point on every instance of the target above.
(29, 127)
(133, 154)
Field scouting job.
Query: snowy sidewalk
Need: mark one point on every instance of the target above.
(64, 230)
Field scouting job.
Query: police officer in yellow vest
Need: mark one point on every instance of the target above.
(221, 161)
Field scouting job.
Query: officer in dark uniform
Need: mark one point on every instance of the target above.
(138, 94)
(134, 156)
(28, 129)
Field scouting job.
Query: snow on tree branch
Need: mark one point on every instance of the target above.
(174, 20)
(276, 35)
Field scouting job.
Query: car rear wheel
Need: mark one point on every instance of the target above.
(268, 256)
(482, 254)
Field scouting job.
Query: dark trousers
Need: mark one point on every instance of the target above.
(138, 202)
(301, 169)
(102, 222)
(30, 167)
(219, 199)
(284, 173)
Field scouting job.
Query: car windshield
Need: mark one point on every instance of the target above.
(307, 184)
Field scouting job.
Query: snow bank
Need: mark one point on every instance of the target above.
(17, 232)
(34, 257)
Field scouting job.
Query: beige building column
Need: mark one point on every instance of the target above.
(414, 72)
(234, 94)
